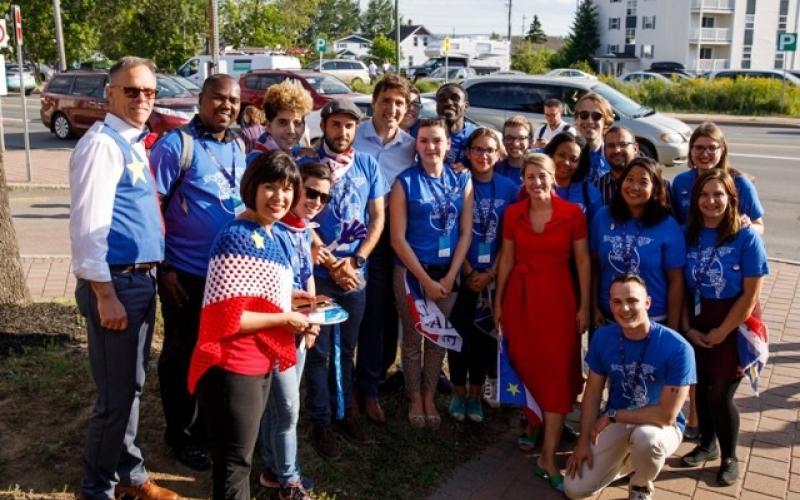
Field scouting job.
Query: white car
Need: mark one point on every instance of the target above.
(636, 77)
(346, 70)
(453, 74)
(570, 73)
(13, 78)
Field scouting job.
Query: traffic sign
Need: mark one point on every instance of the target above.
(446, 44)
(787, 42)
(3, 34)
(320, 44)
(16, 18)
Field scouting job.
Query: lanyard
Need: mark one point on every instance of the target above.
(704, 265)
(441, 204)
(230, 176)
(485, 216)
(629, 244)
(637, 369)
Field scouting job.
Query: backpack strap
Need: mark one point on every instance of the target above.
(541, 132)
(185, 163)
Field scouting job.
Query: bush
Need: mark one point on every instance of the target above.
(427, 86)
(362, 87)
(531, 59)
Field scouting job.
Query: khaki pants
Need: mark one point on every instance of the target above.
(620, 450)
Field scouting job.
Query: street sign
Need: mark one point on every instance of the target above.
(16, 18)
(787, 42)
(320, 45)
(446, 44)
(3, 34)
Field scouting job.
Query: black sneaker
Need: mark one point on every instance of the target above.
(323, 440)
(192, 456)
(699, 455)
(569, 434)
(728, 472)
(352, 429)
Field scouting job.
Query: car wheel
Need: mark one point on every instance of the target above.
(647, 149)
(356, 81)
(61, 127)
(29, 92)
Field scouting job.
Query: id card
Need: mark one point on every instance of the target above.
(484, 253)
(697, 307)
(444, 247)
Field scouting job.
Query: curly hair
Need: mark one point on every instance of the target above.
(289, 94)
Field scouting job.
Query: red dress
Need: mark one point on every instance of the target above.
(539, 305)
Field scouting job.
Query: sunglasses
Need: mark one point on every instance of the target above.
(313, 194)
(594, 115)
(133, 92)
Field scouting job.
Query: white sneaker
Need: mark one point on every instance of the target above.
(639, 493)
(490, 393)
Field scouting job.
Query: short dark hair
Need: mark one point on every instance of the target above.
(452, 85)
(628, 278)
(215, 79)
(656, 208)
(553, 102)
(434, 122)
(317, 171)
(564, 137)
(129, 62)
(616, 129)
(275, 166)
(392, 82)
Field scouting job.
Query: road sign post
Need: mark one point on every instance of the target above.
(446, 47)
(320, 45)
(16, 18)
(786, 42)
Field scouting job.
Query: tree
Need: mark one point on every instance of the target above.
(532, 60)
(536, 33)
(378, 19)
(383, 49)
(252, 23)
(584, 38)
(12, 282)
(335, 18)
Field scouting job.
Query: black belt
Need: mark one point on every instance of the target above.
(133, 268)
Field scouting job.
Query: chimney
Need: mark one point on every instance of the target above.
(410, 22)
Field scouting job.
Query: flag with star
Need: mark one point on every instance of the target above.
(249, 270)
(510, 389)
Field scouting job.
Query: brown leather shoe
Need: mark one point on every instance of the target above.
(148, 490)
(372, 408)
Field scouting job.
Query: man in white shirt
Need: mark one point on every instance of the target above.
(554, 125)
(117, 239)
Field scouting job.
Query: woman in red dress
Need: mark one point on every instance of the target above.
(542, 315)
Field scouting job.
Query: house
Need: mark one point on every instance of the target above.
(414, 39)
(704, 35)
(480, 50)
(352, 46)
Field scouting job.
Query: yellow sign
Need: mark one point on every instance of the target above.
(446, 44)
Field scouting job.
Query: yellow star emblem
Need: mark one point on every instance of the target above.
(258, 240)
(513, 389)
(137, 171)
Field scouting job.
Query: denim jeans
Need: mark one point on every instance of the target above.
(278, 434)
(320, 374)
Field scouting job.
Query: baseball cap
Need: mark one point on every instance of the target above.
(337, 106)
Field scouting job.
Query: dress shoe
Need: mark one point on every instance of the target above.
(699, 455)
(728, 472)
(352, 429)
(373, 410)
(192, 456)
(148, 490)
(323, 440)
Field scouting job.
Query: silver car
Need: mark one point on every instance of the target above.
(493, 99)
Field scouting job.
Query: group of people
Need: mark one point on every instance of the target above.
(383, 217)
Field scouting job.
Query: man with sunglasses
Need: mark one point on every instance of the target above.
(593, 116)
(117, 239)
(199, 194)
(382, 138)
(554, 125)
(620, 148)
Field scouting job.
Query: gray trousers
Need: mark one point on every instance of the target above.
(117, 360)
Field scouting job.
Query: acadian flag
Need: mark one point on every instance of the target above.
(510, 389)
(753, 345)
(429, 321)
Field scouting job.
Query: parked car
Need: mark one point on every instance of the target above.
(71, 102)
(425, 69)
(453, 75)
(185, 83)
(794, 72)
(570, 73)
(773, 74)
(636, 77)
(346, 70)
(493, 99)
(14, 82)
(322, 87)
(668, 68)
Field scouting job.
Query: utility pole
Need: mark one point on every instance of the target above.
(509, 21)
(524, 17)
(62, 58)
(397, 36)
(213, 30)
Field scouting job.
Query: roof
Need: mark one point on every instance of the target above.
(408, 30)
(353, 37)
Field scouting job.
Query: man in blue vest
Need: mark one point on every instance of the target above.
(197, 170)
(117, 240)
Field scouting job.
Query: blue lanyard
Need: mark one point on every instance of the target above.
(485, 216)
(628, 245)
(230, 176)
(704, 265)
(441, 204)
(632, 381)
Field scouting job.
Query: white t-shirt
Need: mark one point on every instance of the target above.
(546, 133)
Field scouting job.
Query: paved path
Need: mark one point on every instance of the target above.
(49, 278)
(769, 440)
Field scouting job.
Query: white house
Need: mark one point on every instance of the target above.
(479, 49)
(414, 39)
(352, 46)
(702, 34)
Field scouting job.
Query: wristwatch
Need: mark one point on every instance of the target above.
(360, 261)
(612, 415)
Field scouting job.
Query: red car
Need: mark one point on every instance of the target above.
(72, 101)
(322, 87)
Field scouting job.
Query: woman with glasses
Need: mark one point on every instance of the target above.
(571, 184)
(517, 142)
(636, 234)
(708, 149)
(278, 434)
(541, 313)
(431, 226)
(472, 312)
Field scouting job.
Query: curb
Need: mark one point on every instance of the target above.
(784, 261)
(735, 120)
(33, 186)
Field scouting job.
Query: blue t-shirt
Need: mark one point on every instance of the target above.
(667, 360)
(207, 198)
(433, 211)
(350, 197)
(458, 143)
(583, 194)
(490, 202)
(630, 247)
(682, 186)
(297, 243)
(514, 174)
(598, 165)
(721, 270)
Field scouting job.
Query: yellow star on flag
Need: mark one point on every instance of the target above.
(258, 240)
(137, 171)
(513, 389)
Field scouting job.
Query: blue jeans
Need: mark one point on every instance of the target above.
(320, 375)
(278, 434)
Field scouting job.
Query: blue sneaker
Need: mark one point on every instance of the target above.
(475, 410)
(458, 408)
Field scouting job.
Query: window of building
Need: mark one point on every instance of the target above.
(782, 22)
(779, 60)
(631, 8)
(416, 42)
(751, 7)
(425, 41)
(616, 1)
(630, 36)
(648, 22)
(612, 48)
(647, 51)
(410, 60)
(708, 22)
(613, 23)
(706, 53)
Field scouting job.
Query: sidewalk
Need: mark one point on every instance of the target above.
(755, 121)
(49, 167)
(49, 278)
(769, 439)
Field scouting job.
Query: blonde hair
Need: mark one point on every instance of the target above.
(540, 160)
(253, 116)
(602, 103)
(289, 94)
(518, 121)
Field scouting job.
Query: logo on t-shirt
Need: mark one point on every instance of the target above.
(624, 256)
(346, 200)
(484, 218)
(228, 195)
(634, 389)
(715, 277)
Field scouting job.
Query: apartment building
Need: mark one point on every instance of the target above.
(702, 34)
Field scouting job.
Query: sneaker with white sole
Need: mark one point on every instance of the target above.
(490, 393)
(639, 493)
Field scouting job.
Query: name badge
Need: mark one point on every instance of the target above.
(235, 204)
(444, 247)
(697, 307)
(484, 253)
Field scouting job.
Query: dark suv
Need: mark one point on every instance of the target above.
(322, 87)
(73, 101)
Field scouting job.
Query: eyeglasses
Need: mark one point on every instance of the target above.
(594, 115)
(313, 194)
(416, 104)
(510, 139)
(483, 151)
(133, 92)
(703, 149)
(618, 145)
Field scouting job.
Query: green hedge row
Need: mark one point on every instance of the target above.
(756, 96)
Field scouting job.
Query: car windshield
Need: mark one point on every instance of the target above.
(168, 88)
(186, 83)
(620, 102)
(327, 85)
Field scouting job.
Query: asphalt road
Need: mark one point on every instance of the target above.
(771, 155)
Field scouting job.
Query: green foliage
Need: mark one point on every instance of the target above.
(583, 39)
(378, 19)
(535, 33)
(425, 86)
(335, 19)
(531, 59)
(251, 23)
(583, 66)
(383, 48)
(362, 87)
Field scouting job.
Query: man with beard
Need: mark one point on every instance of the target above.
(198, 169)
(620, 148)
(356, 201)
(593, 115)
(452, 104)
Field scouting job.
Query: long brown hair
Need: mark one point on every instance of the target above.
(711, 131)
(730, 225)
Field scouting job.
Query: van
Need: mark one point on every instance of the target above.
(198, 68)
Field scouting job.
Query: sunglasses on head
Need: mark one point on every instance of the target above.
(594, 115)
(313, 194)
(133, 92)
